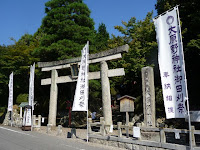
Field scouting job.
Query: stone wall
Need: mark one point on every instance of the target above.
(128, 146)
(135, 144)
(17, 121)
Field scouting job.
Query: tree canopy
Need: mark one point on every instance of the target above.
(102, 37)
(16, 58)
(140, 35)
(66, 28)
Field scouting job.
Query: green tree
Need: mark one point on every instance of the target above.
(66, 28)
(101, 43)
(102, 37)
(140, 35)
(16, 58)
(22, 98)
(3, 75)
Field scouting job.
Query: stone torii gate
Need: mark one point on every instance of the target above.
(103, 74)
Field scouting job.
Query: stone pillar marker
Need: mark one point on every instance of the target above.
(53, 98)
(148, 96)
(106, 97)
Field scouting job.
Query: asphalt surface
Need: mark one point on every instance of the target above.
(16, 139)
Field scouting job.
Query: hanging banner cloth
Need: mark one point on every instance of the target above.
(10, 98)
(171, 63)
(81, 93)
(31, 86)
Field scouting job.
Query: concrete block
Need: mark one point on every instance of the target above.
(59, 130)
(142, 147)
(161, 149)
(151, 148)
(121, 145)
(113, 143)
(151, 136)
(135, 147)
(128, 146)
(49, 128)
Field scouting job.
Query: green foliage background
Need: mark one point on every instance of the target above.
(22, 98)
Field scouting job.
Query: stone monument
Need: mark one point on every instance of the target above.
(148, 96)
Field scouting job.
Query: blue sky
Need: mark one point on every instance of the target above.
(25, 16)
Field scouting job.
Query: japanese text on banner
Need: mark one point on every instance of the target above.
(171, 64)
(10, 98)
(81, 94)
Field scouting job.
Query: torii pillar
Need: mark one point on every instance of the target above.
(53, 98)
(106, 97)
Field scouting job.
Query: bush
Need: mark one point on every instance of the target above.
(22, 98)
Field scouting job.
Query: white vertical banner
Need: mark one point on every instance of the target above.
(171, 63)
(10, 98)
(81, 94)
(28, 121)
(31, 86)
(27, 118)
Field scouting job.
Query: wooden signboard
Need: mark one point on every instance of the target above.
(126, 103)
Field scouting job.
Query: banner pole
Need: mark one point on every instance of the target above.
(87, 84)
(32, 119)
(187, 98)
(87, 126)
(11, 117)
(189, 124)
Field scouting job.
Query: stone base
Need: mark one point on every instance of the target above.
(130, 144)
(26, 128)
(36, 129)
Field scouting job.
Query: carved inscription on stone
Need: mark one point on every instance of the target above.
(148, 100)
(148, 96)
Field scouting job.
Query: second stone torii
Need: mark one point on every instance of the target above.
(103, 74)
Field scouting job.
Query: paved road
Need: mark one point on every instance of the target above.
(16, 139)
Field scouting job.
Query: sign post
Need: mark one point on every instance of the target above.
(127, 105)
(70, 109)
